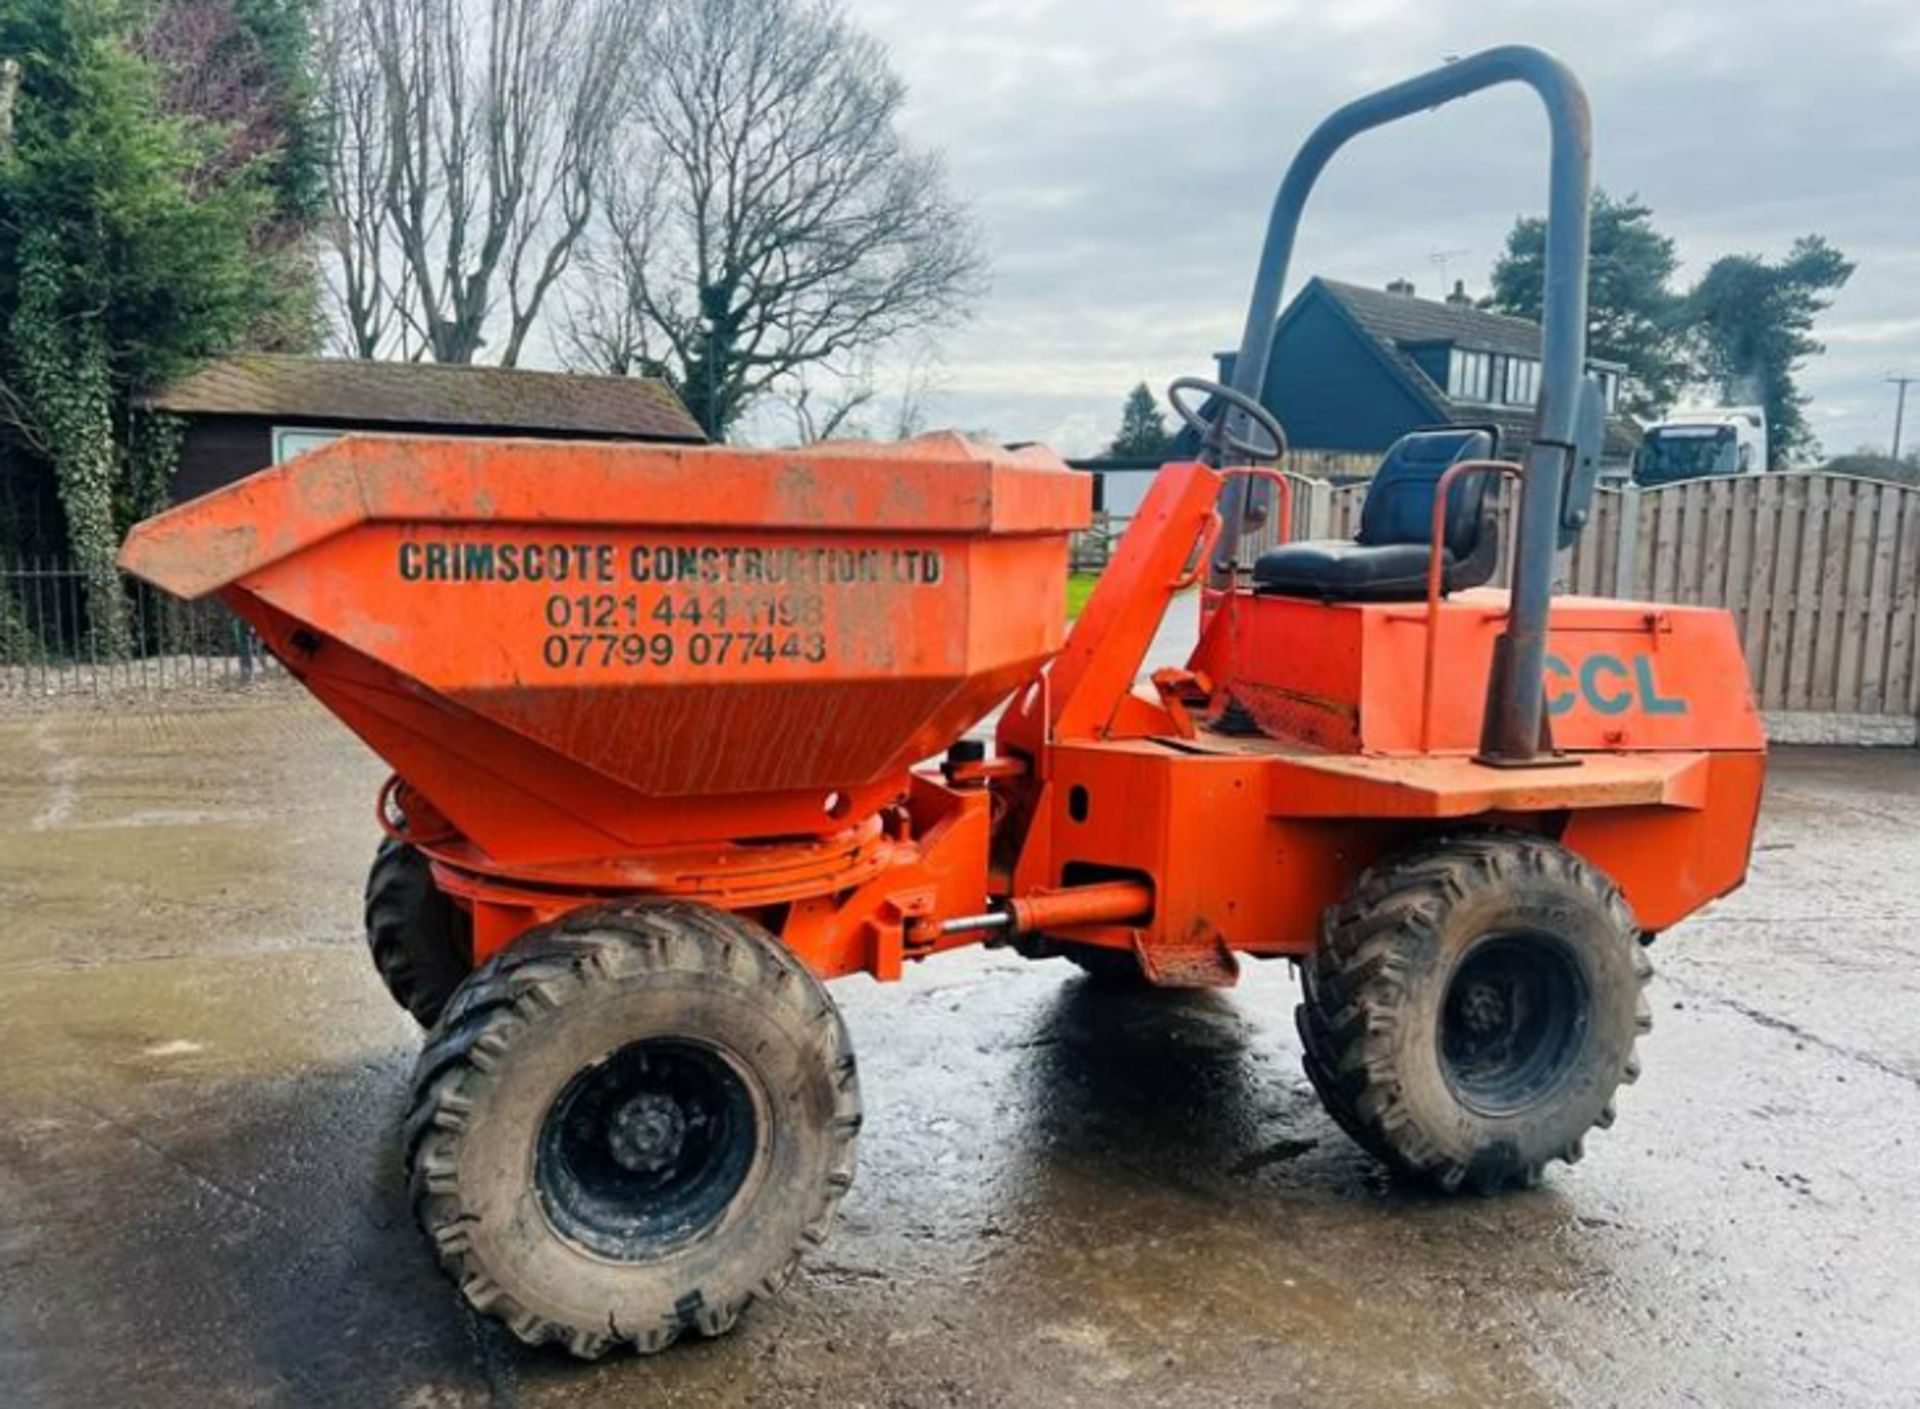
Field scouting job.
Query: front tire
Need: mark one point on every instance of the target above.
(630, 1124)
(1473, 1007)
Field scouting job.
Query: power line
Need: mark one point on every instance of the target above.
(1899, 407)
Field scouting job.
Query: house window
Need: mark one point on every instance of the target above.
(1523, 381)
(1469, 376)
(289, 441)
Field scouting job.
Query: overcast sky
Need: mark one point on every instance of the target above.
(1121, 157)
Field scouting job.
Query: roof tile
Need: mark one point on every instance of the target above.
(1397, 321)
(430, 393)
(1406, 318)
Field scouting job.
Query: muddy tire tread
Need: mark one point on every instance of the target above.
(545, 972)
(1349, 1015)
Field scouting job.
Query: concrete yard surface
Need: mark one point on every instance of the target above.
(1065, 1197)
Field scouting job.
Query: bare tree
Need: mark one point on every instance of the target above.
(213, 70)
(858, 403)
(832, 411)
(603, 327)
(364, 275)
(781, 221)
(911, 398)
(470, 138)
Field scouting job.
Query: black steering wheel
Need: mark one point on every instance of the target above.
(1275, 448)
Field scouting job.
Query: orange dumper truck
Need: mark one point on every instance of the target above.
(678, 736)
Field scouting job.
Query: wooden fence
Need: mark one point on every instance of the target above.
(1332, 464)
(1821, 571)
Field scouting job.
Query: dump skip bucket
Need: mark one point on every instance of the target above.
(577, 650)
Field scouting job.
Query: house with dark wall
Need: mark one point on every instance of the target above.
(244, 413)
(1355, 368)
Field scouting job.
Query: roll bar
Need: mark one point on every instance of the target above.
(1513, 727)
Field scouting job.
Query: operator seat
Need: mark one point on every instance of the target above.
(1387, 561)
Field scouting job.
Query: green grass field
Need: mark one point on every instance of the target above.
(1079, 587)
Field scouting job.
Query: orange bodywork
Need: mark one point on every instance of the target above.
(605, 670)
(1249, 834)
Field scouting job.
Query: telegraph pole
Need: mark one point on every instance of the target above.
(1900, 407)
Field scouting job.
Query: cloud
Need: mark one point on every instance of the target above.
(1893, 333)
(1121, 158)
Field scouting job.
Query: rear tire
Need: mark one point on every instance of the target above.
(630, 1124)
(1473, 1007)
(421, 941)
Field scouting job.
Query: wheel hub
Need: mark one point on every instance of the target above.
(647, 1133)
(1513, 1022)
(1483, 1008)
(647, 1149)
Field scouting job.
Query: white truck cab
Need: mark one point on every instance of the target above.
(1693, 444)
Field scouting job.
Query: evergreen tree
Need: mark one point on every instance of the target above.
(1143, 429)
(1753, 322)
(282, 33)
(240, 73)
(1745, 327)
(118, 267)
(1634, 316)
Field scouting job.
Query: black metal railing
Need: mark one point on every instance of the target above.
(49, 646)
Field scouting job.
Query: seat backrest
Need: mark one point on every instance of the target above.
(1399, 507)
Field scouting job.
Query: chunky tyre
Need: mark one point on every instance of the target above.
(421, 941)
(630, 1124)
(1473, 1007)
